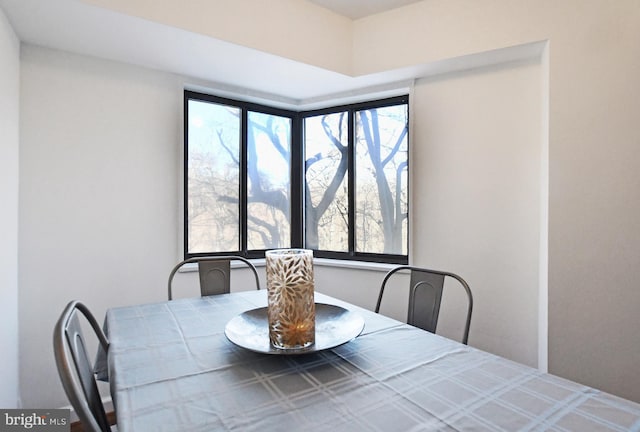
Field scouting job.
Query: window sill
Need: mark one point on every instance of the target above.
(356, 265)
(321, 262)
(326, 262)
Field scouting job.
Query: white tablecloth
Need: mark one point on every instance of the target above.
(171, 368)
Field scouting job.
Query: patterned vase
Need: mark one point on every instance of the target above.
(291, 305)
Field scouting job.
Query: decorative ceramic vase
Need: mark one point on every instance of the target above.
(291, 305)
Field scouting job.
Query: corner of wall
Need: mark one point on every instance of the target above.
(9, 151)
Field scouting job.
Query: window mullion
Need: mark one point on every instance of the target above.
(297, 182)
(351, 179)
(244, 181)
(185, 177)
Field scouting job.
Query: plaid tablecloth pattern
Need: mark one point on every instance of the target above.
(172, 369)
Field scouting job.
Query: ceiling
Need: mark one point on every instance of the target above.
(356, 9)
(80, 28)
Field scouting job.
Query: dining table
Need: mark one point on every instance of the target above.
(171, 367)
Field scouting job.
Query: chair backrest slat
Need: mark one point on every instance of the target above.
(425, 298)
(215, 277)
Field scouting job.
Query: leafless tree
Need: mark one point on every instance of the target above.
(314, 213)
(392, 211)
(270, 206)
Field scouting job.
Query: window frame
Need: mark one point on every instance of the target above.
(297, 175)
(352, 109)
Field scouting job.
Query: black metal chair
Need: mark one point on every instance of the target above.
(425, 297)
(214, 272)
(75, 368)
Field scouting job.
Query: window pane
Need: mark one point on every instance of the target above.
(213, 177)
(326, 194)
(268, 181)
(381, 180)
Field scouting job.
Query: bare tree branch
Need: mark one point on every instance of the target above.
(224, 146)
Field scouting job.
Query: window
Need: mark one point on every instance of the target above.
(332, 180)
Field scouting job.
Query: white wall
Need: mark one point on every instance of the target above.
(476, 158)
(594, 210)
(9, 139)
(476, 180)
(99, 177)
(593, 235)
(359, 287)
